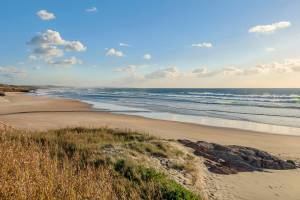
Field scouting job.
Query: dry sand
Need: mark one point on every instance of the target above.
(42, 113)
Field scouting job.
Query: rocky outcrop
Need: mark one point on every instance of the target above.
(13, 88)
(233, 159)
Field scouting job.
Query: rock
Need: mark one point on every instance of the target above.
(232, 159)
(291, 162)
(2, 94)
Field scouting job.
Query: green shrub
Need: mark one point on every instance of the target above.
(167, 188)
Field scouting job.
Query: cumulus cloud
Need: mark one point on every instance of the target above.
(201, 72)
(172, 72)
(121, 44)
(75, 46)
(230, 71)
(91, 10)
(131, 71)
(147, 56)
(203, 45)
(50, 37)
(114, 52)
(286, 66)
(53, 38)
(47, 52)
(11, 72)
(50, 44)
(270, 28)
(65, 62)
(45, 15)
(226, 71)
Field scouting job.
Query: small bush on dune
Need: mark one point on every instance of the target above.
(165, 188)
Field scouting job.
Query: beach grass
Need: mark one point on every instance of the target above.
(79, 163)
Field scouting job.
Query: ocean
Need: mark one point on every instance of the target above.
(265, 110)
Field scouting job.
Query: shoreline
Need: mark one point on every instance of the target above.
(38, 113)
(294, 131)
(92, 109)
(43, 113)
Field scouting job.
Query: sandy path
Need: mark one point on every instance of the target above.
(41, 113)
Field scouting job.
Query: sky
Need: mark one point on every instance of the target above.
(157, 43)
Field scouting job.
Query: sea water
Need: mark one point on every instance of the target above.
(265, 110)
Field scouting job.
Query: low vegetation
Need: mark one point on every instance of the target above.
(83, 163)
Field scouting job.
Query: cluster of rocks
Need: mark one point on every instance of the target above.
(233, 159)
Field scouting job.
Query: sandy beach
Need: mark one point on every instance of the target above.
(41, 113)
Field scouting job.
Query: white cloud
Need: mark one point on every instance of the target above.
(45, 15)
(50, 44)
(230, 71)
(226, 71)
(270, 49)
(172, 72)
(11, 72)
(286, 66)
(91, 10)
(47, 52)
(201, 72)
(147, 56)
(131, 71)
(53, 38)
(50, 37)
(270, 28)
(203, 45)
(121, 44)
(75, 46)
(114, 52)
(65, 62)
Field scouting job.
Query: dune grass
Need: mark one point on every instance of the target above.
(74, 164)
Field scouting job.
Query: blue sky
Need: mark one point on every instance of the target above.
(171, 43)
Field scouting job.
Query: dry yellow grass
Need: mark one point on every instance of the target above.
(54, 165)
(27, 172)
